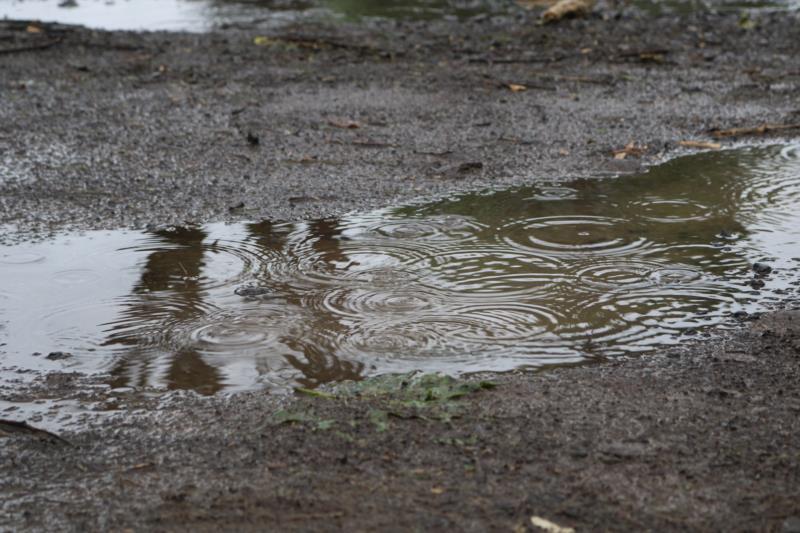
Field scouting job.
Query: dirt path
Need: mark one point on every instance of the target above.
(122, 129)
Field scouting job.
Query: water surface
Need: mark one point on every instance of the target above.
(203, 15)
(496, 280)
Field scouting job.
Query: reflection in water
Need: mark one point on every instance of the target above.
(170, 291)
(202, 15)
(541, 275)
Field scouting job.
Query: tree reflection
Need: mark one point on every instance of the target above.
(169, 292)
(319, 363)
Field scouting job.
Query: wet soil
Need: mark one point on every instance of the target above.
(702, 438)
(105, 130)
(109, 130)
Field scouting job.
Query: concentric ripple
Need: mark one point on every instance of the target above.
(487, 281)
(572, 234)
(675, 211)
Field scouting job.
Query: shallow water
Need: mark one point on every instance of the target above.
(552, 274)
(203, 15)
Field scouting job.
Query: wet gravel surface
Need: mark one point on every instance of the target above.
(103, 130)
(702, 438)
(107, 130)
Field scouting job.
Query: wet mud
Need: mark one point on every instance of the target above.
(312, 120)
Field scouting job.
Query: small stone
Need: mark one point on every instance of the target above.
(57, 356)
(761, 269)
(756, 283)
(251, 291)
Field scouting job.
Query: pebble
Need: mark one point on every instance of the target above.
(57, 356)
(761, 269)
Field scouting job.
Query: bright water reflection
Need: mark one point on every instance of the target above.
(490, 281)
(203, 15)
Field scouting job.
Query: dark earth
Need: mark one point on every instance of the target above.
(115, 129)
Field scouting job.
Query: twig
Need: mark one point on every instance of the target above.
(31, 47)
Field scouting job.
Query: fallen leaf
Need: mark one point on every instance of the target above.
(263, 41)
(630, 149)
(437, 490)
(516, 88)
(549, 526)
(33, 29)
(567, 8)
(344, 124)
(563, 151)
(700, 144)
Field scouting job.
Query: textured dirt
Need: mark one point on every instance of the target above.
(702, 438)
(130, 129)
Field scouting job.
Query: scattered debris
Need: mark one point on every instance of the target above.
(647, 56)
(547, 525)
(703, 145)
(758, 130)
(631, 149)
(344, 123)
(567, 8)
(253, 139)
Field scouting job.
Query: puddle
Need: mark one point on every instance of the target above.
(203, 15)
(553, 274)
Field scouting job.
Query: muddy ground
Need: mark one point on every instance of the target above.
(107, 130)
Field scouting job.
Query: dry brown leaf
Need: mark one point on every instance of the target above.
(703, 145)
(567, 8)
(437, 490)
(32, 28)
(630, 149)
(344, 123)
(517, 88)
